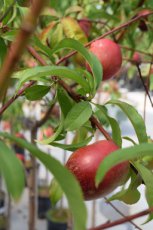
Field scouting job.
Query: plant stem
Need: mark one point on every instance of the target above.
(33, 187)
(123, 220)
(19, 44)
(147, 85)
(118, 211)
(136, 50)
(144, 85)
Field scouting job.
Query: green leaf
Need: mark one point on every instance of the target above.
(42, 47)
(121, 155)
(72, 147)
(131, 195)
(10, 35)
(55, 192)
(12, 170)
(67, 181)
(134, 117)
(93, 61)
(116, 131)
(147, 177)
(36, 92)
(65, 101)
(78, 115)
(42, 71)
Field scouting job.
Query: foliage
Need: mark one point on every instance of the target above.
(60, 41)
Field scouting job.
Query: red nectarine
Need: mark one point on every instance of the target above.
(84, 162)
(109, 54)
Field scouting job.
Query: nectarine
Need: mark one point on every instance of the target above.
(84, 162)
(109, 54)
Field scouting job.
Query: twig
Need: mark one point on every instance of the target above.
(145, 87)
(123, 220)
(118, 211)
(131, 60)
(18, 46)
(133, 50)
(20, 92)
(39, 123)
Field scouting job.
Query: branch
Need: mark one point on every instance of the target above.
(133, 50)
(20, 92)
(18, 46)
(145, 87)
(44, 119)
(123, 220)
(118, 211)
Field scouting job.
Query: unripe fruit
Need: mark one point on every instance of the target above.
(137, 58)
(84, 162)
(109, 54)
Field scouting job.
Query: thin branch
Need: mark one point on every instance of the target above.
(144, 85)
(39, 123)
(131, 60)
(20, 92)
(118, 211)
(123, 220)
(19, 44)
(147, 85)
(136, 50)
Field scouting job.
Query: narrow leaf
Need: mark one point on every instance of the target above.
(134, 117)
(78, 115)
(92, 60)
(44, 71)
(131, 195)
(72, 147)
(65, 101)
(67, 181)
(12, 170)
(147, 177)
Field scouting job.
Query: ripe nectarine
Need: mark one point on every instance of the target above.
(84, 162)
(109, 54)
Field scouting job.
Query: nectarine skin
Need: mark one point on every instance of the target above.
(84, 162)
(109, 54)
